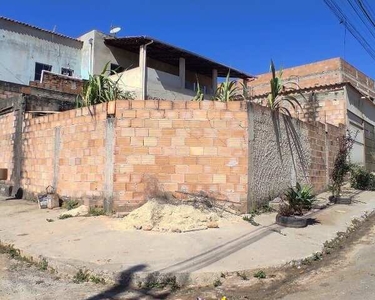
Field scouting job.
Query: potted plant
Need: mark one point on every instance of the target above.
(297, 201)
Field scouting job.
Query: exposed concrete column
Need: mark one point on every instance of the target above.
(19, 114)
(214, 80)
(56, 158)
(109, 164)
(251, 201)
(143, 70)
(182, 72)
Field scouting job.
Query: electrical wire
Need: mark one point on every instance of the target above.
(343, 18)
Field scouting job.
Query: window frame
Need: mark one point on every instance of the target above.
(44, 67)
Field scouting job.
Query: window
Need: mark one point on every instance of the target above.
(39, 67)
(116, 69)
(67, 72)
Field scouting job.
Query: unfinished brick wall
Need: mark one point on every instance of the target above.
(9, 89)
(325, 105)
(124, 152)
(61, 83)
(325, 81)
(186, 146)
(78, 152)
(326, 72)
(7, 130)
(324, 146)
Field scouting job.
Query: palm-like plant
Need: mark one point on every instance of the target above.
(300, 197)
(275, 100)
(100, 88)
(199, 96)
(227, 90)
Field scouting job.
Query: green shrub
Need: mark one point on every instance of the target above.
(43, 264)
(96, 211)
(299, 198)
(70, 204)
(361, 179)
(81, 276)
(260, 274)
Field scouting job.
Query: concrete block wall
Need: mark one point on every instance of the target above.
(327, 81)
(121, 153)
(186, 146)
(65, 150)
(7, 130)
(294, 152)
(322, 105)
(326, 72)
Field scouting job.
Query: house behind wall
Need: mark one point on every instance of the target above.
(23, 45)
(334, 92)
(26, 51)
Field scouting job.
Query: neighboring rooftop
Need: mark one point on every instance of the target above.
(319, 74)
(17, 26)
(171, 54)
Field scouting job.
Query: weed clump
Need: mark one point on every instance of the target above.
(70, 204)
(217, 283)
(65, 216)
(260, 274)
(96, 211)
(81, 276)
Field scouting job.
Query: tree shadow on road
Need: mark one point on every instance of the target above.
(124, 285)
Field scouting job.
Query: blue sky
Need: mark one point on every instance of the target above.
(244, 34)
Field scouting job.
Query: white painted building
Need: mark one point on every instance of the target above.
(151, 69)
(26, 50)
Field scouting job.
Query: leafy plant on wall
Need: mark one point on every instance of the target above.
(276, 100)
(199, 96)
(101, 88)
(227, 90)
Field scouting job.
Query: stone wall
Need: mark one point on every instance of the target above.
(121, 153)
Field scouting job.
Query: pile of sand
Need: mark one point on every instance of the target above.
(158, 216)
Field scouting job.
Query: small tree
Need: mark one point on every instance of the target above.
(341, 166)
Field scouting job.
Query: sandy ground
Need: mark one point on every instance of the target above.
(20, 281)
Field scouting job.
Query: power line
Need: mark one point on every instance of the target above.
(362, 16)
(338, 12)
(366, 12)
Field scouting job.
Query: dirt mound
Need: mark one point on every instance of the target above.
(175, 217)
